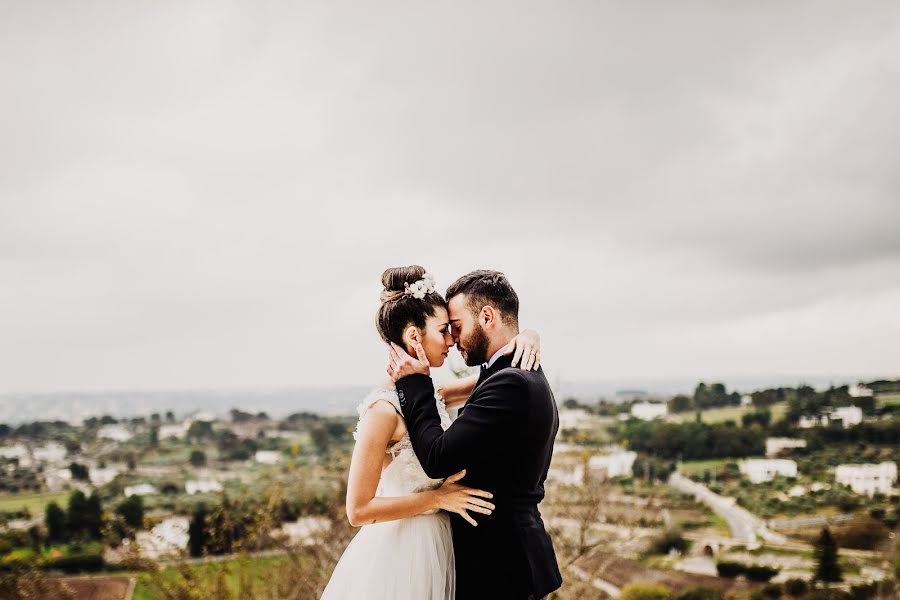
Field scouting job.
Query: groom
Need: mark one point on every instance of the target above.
(503, 438)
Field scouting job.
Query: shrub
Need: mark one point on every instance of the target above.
(795, 587)
(645, 591)
(668, 540)
(760, 573)
(701, 593)
(729, 569)
(77, 563)
(772, 590)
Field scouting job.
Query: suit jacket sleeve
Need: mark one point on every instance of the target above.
(492, 414)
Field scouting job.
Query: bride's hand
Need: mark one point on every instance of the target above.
(527, 346)
(402, 364)
(457, 498)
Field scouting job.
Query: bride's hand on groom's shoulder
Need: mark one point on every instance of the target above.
(526, 347)
(401, 364)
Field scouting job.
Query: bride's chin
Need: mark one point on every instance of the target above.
(439, 362)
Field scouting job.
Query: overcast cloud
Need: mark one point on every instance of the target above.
(205, 194)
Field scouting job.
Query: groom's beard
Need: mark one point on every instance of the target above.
(476, 347)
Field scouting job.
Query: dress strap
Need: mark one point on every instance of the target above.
(377, 394)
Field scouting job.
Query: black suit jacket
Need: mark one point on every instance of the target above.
(504, 439)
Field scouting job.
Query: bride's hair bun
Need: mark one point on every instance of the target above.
(395, 279)
(399, 308)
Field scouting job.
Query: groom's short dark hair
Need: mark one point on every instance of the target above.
(483, 288)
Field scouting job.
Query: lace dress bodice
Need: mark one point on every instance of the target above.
(404, 474)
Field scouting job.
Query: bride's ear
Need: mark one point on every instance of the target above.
(411, 337)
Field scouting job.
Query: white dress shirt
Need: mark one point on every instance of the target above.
(496, 355)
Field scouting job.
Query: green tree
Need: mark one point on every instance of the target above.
(77, 513)
(55, 520)
(825, 552)
(132, 511)
(198, 536)
(198, 458)
(79, 472)
(680, 403)
(701, 396)
(85, 515)
(200, 430)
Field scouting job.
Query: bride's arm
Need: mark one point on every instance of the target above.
(455, 392)
(364, 507)
(526, 351)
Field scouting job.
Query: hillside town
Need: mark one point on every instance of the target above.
(766, 493)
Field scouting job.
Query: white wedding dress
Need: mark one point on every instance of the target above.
(405, 559)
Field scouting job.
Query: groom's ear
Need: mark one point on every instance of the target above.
(488, 317)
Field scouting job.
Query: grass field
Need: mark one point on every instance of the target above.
(258, 568)
(733, 413)
(696, 467)
(889, 400)
(35, 503)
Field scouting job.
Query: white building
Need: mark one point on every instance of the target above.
(774, 445)
(57, 479)
(808, 421)
(168, 538)
(306, 530)
(174, 430)
(860, 391)
(648, 411)
(51, 452)
(868, 479)
(16, 451)
(568, 474)
(746, 400)
(759, 470)
(117, 433)
(103, 476)
(575, 418)
(267, 457)
(202, 486)
(848, 415)
(142, 489)
(617, 464)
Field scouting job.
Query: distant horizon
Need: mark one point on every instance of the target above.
(624, 383)
(74, 406)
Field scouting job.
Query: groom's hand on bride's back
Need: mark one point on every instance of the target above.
(401, 364)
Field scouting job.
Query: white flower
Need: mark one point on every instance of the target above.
(421, 288)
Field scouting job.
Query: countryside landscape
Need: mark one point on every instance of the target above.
(787, 492)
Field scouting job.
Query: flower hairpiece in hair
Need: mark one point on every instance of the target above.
(421, 287)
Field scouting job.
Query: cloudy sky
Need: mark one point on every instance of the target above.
(204, 194)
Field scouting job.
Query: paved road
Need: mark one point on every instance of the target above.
(745, 527)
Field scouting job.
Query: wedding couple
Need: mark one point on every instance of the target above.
(449, 509)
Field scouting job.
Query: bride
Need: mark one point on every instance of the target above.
(404, 549)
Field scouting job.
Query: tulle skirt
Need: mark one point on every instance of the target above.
(406, 559)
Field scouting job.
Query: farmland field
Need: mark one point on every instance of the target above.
(35, 503)
(237, 575)
(732, 413)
